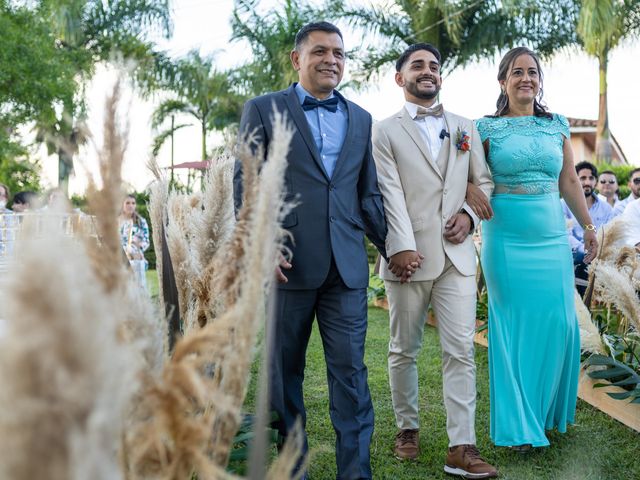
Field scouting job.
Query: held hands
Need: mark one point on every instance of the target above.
(404, 264)
(457, 228)
(478, 202)
(590, 246)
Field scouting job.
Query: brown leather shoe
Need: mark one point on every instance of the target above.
(465, 461)
(406, 446)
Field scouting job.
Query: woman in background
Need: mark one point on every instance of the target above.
(134, 236)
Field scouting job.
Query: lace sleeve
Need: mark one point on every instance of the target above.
(563, 125)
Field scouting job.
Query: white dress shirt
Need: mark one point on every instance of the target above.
(430, 128)
(631, 217)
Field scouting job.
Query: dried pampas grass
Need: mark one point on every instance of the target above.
(66, 378)
(612, 286)
(105, 203)
(196, 406)
(590, 339)
(611, 239)
(158, 198)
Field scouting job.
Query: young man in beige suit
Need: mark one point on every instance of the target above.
(424, 157)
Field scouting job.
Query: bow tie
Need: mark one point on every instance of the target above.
(310, 103)
(422, 112)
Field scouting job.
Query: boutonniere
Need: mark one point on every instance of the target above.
(462, 140)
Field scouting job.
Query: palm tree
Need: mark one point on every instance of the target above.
(201, 92)
(463, 31)
(602, 26)
(93, 31)
(271, 35)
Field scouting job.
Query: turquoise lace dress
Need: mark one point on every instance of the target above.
(534, 340)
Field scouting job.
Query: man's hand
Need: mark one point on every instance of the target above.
(404, 264)
(478, 202)
(590, 246)
(457, 228)
(280, 277)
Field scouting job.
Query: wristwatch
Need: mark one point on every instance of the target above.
(590, 227)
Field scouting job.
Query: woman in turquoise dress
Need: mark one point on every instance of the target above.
(534, 340)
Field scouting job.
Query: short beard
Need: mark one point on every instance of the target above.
(587, 195)
(412, 88)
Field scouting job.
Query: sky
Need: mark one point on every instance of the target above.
(570, 88)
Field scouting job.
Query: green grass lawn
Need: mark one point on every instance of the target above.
(597, 447)
(152, 283)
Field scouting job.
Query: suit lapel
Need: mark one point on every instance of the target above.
(410, 127)
(452, 128)
(299, 118)
(350, 132)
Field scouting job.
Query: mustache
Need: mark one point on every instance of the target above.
(426, 77)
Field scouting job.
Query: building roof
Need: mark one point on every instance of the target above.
(586, 129)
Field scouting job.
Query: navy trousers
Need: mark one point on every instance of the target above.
(342, 320)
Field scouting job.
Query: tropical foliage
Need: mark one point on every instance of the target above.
(602, 26)
(463, 31)
(35, 75)
(611, 330)
(202, 92)
(89, 32)
(271, 35)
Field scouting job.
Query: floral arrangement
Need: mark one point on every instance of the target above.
(610, 327)
(462, 140)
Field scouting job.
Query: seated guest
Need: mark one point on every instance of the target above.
(631, 217)
(24, 201)
(634, 186)
(600, 212)
(4, 198)
(608, 188)
(8, 222)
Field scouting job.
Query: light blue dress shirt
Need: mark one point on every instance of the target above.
(600, 212)
(329, 129)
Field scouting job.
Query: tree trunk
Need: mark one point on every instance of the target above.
(172, 181)
(65, 169)
(204, 149)
(603, 136)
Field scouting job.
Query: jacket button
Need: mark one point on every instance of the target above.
(332, 219)
(332, 186)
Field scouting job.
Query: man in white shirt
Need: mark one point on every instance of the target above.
(634, 186)
(608, 188)
(631, 217)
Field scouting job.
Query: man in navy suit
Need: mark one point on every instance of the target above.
(332, 177)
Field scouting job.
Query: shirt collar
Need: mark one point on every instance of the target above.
(412, 108)
(301, 92)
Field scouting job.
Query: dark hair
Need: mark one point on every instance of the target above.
(404, 56)
(502, 104)
(135, 217)
(304, 32)
(587, 165)
(25, 198)
(635, 170)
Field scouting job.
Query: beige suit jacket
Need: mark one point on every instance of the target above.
(419, 199)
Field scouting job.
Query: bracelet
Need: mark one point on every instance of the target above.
(590, 227)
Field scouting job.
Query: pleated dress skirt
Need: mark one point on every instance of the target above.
(534, 339)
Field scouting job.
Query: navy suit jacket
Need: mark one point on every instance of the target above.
(332, 214)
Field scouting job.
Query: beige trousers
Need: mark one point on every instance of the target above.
(453, 299)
